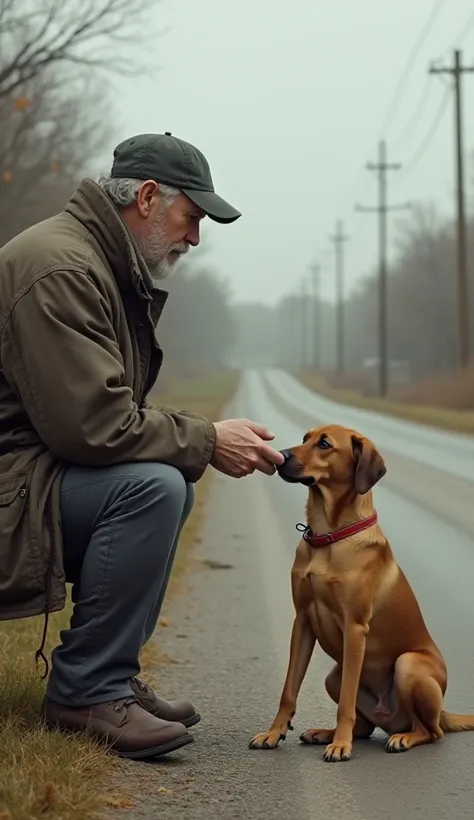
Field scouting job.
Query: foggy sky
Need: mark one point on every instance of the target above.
(288, 106)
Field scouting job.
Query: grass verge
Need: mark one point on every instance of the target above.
(461, 421)
(45, 774)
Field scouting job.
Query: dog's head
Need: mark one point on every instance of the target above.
(334, 456)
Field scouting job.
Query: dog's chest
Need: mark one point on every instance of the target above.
(326, 588)
(326, 601)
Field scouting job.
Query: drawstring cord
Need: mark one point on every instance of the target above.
(40, 651)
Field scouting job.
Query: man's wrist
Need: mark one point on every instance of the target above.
(214, 443)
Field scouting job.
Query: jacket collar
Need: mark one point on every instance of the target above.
(90, 206)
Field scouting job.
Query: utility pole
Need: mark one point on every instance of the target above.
(293, 338)
(304, 324)
(339, 238)
(316, 318)
(382, 166)
(286, 319)
(463, 291)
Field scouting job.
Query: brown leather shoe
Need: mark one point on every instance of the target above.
(126, 728)
(181, 710)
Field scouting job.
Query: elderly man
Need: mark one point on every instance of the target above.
(95, 481)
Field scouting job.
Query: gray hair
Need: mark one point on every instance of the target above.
(123, 192)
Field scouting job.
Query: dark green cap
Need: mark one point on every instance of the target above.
(173, 162)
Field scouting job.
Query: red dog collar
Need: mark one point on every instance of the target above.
(331, 537)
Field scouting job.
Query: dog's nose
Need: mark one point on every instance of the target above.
(286, 454)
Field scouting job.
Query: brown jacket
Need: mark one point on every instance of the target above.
(78, 356)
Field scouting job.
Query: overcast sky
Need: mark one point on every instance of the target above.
(288, 107)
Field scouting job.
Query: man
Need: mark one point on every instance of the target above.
(95, 482)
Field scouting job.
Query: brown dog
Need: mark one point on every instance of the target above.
(351, 596)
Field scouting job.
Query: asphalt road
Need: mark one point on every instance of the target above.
(228, 637)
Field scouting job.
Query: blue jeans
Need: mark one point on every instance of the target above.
(121, 527)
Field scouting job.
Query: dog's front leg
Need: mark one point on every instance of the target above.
(302, 644)
(355, 634)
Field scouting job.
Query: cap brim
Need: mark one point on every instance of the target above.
(213, 205)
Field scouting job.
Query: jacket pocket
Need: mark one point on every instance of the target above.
(20, 568)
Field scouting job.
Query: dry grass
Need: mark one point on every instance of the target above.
(449, 391)
(413, 404)
(41, 773)
(45, 774)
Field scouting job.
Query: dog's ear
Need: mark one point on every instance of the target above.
(370, 466)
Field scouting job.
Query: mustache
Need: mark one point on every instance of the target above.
(179, 247)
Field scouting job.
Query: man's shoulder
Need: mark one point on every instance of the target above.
(59, 243)
(55, 242)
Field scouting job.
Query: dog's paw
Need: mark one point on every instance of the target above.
(317, 737)
(398, 743)
(267, 740)
(337, 752)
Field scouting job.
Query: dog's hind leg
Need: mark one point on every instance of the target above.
(420, 682)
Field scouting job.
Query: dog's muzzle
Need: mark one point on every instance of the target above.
(292, 473)
(286, 455)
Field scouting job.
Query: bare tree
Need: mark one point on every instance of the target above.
(54, 115)
(46, 140)
(92, 33)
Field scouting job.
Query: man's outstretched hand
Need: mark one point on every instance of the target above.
(241, 448)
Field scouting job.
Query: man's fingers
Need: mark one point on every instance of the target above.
(260, 430)
(265, 467)
(271, 455)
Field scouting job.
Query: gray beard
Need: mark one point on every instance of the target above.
(162, 270)
(155, 255)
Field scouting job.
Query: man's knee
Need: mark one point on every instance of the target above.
(189, 502)
(164, 485)
(179, 493)
(138, 502)
(148, 488)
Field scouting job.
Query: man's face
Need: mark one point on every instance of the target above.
(165, 229)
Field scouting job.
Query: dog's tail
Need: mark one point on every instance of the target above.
(456, 723)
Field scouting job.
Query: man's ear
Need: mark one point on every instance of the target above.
(147, 198)
(370, 466)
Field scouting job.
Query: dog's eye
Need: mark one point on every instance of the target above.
(324, 444)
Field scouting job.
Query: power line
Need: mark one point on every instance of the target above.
(456, 71)
(463, 32)
(436, 9)
(437, 6)
(411, 123)
(425, 142)
(418, 155)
